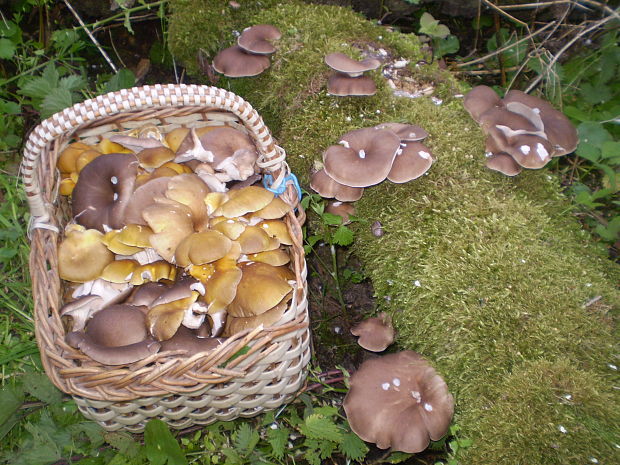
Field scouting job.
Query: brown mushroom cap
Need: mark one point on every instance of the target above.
(115, 335)
(398, 401)
(103, 190)
(414, 160)
(144, 196)
(224, 142)
(503, 163)
(559, 130)
(257, 39)
(167, 311)
(375, 334)
(362, 158)
(187, 339)
(342, 85)
(343, 64)
(479, 100)
(234, 62)
(326, 187)
(342, 209)
(406, 132)
(530, 151)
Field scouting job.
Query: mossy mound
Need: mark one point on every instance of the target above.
(505, 306)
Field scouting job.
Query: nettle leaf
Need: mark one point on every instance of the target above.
(331, 219)
(326, 411)
(442, 47)
(161, 446)
(8, 28)
(317, 426)
(576, 113)
(11, 398)
(7, 49)
(592, 135)
(610, 150)
(39, 386)
(430, 26)
(343, 236)
(123, 79)
(353, 447)
(594, 94)
(278, 439)
(72, 83)
(246, 439)
(57, 100)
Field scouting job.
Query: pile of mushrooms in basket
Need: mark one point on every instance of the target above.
(171, 246)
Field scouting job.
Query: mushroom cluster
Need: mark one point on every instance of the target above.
(522, 131)
(173, 237)
(348, 78)
(410, 403)
(250, 56)
(367, 156)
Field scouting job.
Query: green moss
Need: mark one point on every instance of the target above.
(504, 270)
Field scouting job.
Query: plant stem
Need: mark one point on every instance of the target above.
(125, 12)
(334, 274)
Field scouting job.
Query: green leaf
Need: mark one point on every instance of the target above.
(594, 94)
(398, 457)
(278, 439)
(343, 236)
(611, 231)
(576, 113)
(161, 446)
(7, 49)
(442, 47)
(246, 439)
(123, 79)
(57, 100)
(353, 447)
(11, 398)
(73, 83)
(8, 28)
(610, 150)
(331, 219)
(326, 410)
(123, 442)
(39, 386)
(317, 426)
(430, 26)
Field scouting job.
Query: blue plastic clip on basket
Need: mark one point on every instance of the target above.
(252, 371)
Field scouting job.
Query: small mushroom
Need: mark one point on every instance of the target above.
(234, 62)
(479, 100)
(375, 334)
(326, 187)
(166, 313)
(82, 255)
(188, 340)
(342, 85)
(343, 64)
(398, 401)
(343, 209)
(412, 160)
(503, 163)
(257, 39)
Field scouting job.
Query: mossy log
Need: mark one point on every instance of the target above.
(515, 303)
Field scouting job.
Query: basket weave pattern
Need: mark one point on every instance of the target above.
(253, 370)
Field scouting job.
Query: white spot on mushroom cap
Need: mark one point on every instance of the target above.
(115, 196)
(417, 396)
(114, 180)
(345, 144)
(428, 407)
(396, 382)
(424, 154)
(525, 149)
(385, 386)
(362, 153)
(541, 151)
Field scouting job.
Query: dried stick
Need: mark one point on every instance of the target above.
(500, 50)
(568, 45)
(91, 36)
(503, 13)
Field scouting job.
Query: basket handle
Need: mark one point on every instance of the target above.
(271, 157)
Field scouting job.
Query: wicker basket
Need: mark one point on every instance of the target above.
(252, 371)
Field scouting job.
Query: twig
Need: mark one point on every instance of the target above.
(568, 45)
(484, 72)
(91, 36)
(527, 6)
(114, 48)
(503, 13)
(500, 50)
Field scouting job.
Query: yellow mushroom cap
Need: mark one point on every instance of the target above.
(254, 239)
(246, 200)
(277, 229)
(153, 272)
(111, 240)
(262, 287)
(67, 158)
(136, 235)
(154, 157)
(203, 247)
(119, 271)
(277, 208)
(170, 224)
(277, 257)
(82, 255)
(269, 318)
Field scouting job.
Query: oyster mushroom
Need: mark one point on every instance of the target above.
(115, 335)
(326, 187)
(257, 39)
(375, 334)
(235, 62)
(82, 255)
(362, 158)
(411, 161)
(398, 401)
(103, 190)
